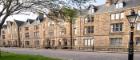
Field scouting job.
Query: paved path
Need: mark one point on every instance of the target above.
(72, 55)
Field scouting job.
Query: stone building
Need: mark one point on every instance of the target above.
(3, 35)
(103, 27)
(106, 27)
(10, 33)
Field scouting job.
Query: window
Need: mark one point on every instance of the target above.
(3, 36)
(112, 16)
(26, 28)
(88, 42)
(51, 33)
(89, 19)
(36, 34)
(36, 27)
(117, 5)
(91, 11)
(115, 41)
(139, 12)
(117, 16)
(138, 26)
(27, 42)
(26, 35)
(137, 41)
(117, 27)
(89, 29)
(62, 31)
(120, 5)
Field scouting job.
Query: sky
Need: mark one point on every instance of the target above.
(100, 2)
(24, 17)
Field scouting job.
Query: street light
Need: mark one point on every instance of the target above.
(132, 18)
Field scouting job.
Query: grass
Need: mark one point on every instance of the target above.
(12, 56)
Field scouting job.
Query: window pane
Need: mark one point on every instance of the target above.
(85, 42)
(92, 42)
(115, 41)
(120, 5)
(137, 41)
(117, 27)
(112, 16)
(117, 16)
(92, 10)
(117, 5)
(89, 42)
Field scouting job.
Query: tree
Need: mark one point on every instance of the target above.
(69, 15)
(68, 12)
(11, 7)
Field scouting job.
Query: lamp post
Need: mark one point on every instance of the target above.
(132, 18)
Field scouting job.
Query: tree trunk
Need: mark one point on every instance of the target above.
(1, 24)
(71, 37)
(19, 42)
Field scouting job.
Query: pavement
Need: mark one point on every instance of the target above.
(71, 55)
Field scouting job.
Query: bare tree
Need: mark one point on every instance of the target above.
(11, 7)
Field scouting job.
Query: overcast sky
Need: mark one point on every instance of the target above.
(33, 16)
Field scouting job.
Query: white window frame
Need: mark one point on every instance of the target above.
(115, 41)
(117, 5)
(88, 42)
(114, 27)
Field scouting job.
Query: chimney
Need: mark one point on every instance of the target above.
(108, 3)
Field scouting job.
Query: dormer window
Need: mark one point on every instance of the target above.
(120, 5)
(91, 9)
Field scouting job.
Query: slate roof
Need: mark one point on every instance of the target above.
(128, 4)
(30, 20)
(19, 23)
(103, 8)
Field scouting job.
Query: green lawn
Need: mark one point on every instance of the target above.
(12, 56)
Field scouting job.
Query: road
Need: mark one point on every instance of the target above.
(72, 55)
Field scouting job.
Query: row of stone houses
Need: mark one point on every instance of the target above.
(103, 27)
